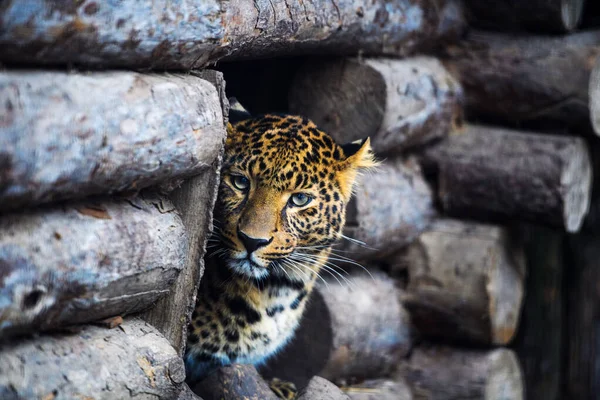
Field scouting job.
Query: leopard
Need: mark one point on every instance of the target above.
(281, 206)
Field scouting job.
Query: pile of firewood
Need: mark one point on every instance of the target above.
(108, 178)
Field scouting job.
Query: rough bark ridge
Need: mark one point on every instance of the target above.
(185, 34)
(195, 201)
(65, 135)
(465, 283)
(234, 382)
(390, 208)
(491, 173)
(87, 261)
(397, 103)
(340, 337)
(131, 361)
(521, 78)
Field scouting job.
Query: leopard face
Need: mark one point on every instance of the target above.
(283, 194)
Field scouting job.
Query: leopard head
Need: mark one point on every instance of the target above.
(283, 194)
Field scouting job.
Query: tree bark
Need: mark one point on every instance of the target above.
(465, 283)
(194, 200)
(321, 389)
(489, 173)
(87, 261)
(189, 34)
(539, 342)
(582, 380)
(390, 208)
(350, 331)
(233, 382)
(397, 103)
(445, 373)
(556, 16)
(132, 361)
(525, 79)
(380, 389)
(65, 135)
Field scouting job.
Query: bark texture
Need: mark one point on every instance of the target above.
(66, 135)
(397, 103)
(445, 373)
(194, 201)
(380, 389)
(321, 389)
(526, 79)
(594, 96)
(390, 208)
(192, 33)
(465, 283)
(341, 338)
(87, 261)
(132, 361)
(540, 341)
(557, 16)
(490, 173)
(234, 382)
(582, 380)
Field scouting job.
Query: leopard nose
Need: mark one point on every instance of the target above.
(251, 243)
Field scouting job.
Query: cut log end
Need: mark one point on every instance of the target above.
(504, 380)
(577, 182)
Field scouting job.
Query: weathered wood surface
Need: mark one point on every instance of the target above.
(540, 340)
(390, 208)
(397, 103)
(465, 283)
(525, 79)
(321, 389)
(342, 338)
(131, 361)
(582, 269)
(446, 373)
(86, 261)
(489, 173)
(556, 16)
(234, 382)
(380, 389)
(185, 34)
(194, 201)
(66, 135)
(594, 96)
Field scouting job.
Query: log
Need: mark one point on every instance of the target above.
(594, 96)
(233, 382)
(491, 174)
(397, 103)
(70, 135)
(82, 262)
(526, 80)
(582, 376)
(341, 338)
(390, 208)
(465, 283)
(380, 389)
(555, 16)
(445, 373)
(193, 33)
(132, 361)
(194, 201)
(540, 342)
(321, 389)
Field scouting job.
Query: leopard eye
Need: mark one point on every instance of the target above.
(240, 182)
(299, 199)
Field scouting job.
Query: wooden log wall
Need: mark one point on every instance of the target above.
(108, 179)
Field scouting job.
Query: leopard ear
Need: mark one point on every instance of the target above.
(359, 157)
(237, 112)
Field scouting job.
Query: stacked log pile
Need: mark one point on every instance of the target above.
(108, 179)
